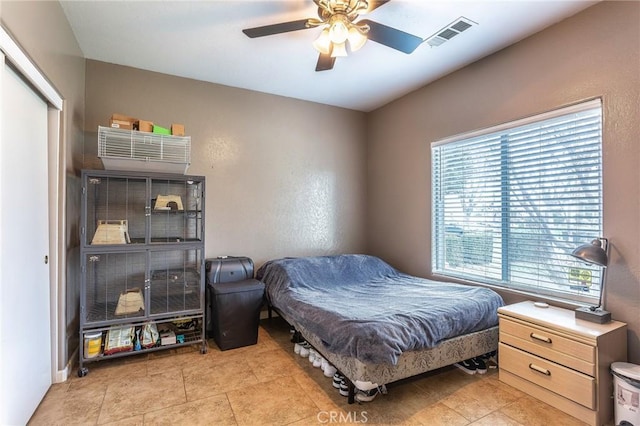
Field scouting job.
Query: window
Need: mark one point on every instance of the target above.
(511, 202)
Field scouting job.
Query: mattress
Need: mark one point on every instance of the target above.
(360, 308)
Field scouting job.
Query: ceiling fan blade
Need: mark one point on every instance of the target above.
(325, 62)
(283, 27)
(376, 4)
(392, 37)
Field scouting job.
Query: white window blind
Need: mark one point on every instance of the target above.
(511, 202)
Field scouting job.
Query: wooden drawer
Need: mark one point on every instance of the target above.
(563, 381)
(549, 345)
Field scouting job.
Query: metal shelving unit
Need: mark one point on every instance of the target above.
(142, 261)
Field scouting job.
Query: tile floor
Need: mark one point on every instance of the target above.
(267, 384)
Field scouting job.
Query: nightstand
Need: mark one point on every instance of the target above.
(561, 360)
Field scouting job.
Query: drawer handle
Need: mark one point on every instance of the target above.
(540, 369)
(539, 337)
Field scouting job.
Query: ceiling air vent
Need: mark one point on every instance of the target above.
(450, 31)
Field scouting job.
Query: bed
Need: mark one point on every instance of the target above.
(375, 323)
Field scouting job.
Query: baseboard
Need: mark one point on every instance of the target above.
(61, 376)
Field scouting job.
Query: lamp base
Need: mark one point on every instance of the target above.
(599, 316)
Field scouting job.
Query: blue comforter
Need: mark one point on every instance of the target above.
(359, 306)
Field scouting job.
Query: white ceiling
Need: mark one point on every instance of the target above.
(203, 40)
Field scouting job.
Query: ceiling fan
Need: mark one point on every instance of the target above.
(341, 27)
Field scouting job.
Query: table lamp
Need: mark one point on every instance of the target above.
(595, 253)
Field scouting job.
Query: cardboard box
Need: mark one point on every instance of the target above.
(122, 117)
(177, 129)
(121, 121)
(167, 338)
(161, 130)
(145, 126)
(118, 124)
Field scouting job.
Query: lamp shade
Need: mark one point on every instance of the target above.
(339, 29)
(592, 253)
(338, 50)
(323, 42)
(356, 39)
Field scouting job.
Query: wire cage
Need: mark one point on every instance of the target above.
(143, 151)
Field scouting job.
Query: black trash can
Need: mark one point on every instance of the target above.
(223, 269)
(235, 312)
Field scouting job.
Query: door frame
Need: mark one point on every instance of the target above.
(14, 54)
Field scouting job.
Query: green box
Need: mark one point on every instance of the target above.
(161, 130)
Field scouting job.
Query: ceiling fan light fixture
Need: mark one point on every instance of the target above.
(339, 29)
(323, 42)
(359, 7)
(356, 38)
(339, 49)
(313, 22)
(339, 25)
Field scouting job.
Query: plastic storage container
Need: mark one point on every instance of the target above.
(92, 344)
(235, 309)
(626, 393)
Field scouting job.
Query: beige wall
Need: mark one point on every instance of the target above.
(278, 185)
(42, 30)
(284, 177)
(595, 53)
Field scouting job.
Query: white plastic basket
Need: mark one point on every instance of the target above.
(143, 151)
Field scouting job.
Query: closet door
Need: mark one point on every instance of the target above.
(25, 322)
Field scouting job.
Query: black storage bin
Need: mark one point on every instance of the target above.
(235, 308)
(223, 269)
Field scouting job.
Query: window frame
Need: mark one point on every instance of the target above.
(438, 246)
